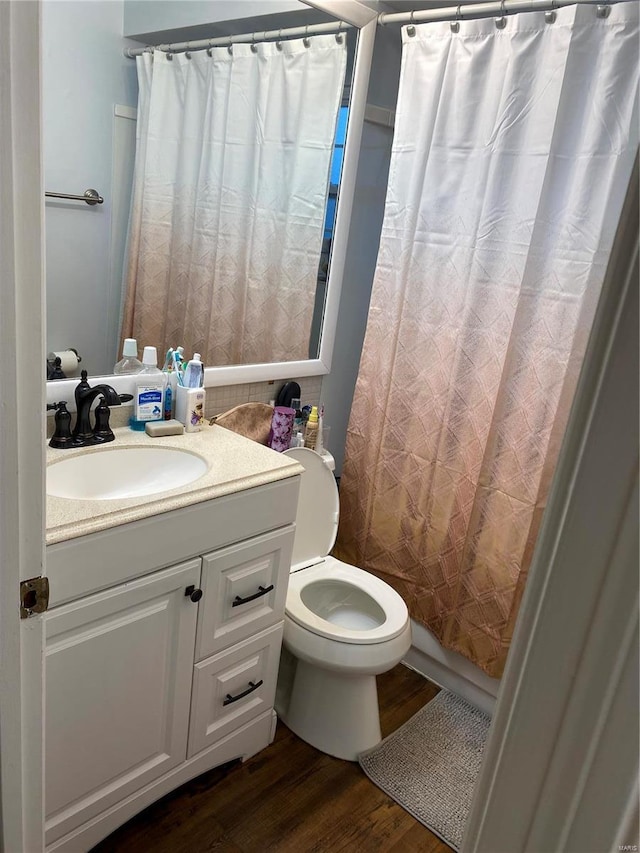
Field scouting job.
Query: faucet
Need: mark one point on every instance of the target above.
(83, 435)
(85, 395)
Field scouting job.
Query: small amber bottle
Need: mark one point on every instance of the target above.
(311, 432)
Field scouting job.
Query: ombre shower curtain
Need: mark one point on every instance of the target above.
(511, 156)
(231, 179)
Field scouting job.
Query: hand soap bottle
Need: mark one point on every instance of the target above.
(149, 391)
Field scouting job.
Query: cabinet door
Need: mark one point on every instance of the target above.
(118, 684)
(233, 687)
(245, 588)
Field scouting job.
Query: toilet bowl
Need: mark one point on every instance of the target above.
(342, 627)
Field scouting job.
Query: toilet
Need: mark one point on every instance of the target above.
(342, 627)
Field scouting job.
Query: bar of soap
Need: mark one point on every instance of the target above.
(156, 428)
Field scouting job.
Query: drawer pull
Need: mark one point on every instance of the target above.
(262, 590)
(229, 698)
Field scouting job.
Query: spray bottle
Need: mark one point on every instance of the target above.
(311, 432)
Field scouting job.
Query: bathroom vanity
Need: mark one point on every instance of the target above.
(163, 632)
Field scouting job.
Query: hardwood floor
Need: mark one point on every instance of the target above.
(289, 798)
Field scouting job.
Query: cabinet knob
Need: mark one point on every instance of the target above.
(193, 593)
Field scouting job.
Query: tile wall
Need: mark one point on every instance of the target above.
(225, 397)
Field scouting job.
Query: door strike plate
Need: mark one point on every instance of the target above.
(34, 596)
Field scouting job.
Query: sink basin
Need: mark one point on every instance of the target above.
(123, 472)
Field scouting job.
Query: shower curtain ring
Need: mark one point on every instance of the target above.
(187, 52)
(209, 51)
(603, 11)
(550, 15)
(279, 40)
(455, 25)
(501, 22)
(254, 48)
(306, 41)
(411, 30)
(230, 48)
(169, 55)
(339, 34)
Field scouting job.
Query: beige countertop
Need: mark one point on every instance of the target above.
(235, 463)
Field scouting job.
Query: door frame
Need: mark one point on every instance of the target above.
(22, 427)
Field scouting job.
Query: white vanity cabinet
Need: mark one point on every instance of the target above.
(149, 684)
(118, 673)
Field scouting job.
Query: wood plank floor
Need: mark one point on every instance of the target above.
(289, 798)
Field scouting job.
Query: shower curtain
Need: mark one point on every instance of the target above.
(511, 155)
(231, 179)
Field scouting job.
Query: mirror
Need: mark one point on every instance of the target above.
(89, 98)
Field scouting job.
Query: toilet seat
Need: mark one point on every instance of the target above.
(332, 571)
(327, 597)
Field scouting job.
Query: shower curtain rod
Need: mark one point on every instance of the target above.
(245, 38)
(488, 10)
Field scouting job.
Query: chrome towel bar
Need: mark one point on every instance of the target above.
(90, 196)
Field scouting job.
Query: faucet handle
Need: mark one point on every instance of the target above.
(102, 431)
(62, 437)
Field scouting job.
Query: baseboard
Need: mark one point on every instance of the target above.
(450, 670)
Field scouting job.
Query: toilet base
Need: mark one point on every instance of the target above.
(336, 713)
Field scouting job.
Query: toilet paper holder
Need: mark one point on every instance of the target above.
(63, 363)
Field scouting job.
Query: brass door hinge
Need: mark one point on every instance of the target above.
(34, 596)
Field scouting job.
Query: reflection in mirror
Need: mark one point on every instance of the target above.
(230, 194)
(270, 264)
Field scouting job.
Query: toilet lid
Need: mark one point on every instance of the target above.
(318, 509)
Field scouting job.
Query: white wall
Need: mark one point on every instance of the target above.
(207, 18)
(84, 75)
(364, 235)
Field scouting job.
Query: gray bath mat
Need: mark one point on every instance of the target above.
(430, 764)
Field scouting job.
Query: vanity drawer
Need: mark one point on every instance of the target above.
(233, 687)
(78, 567)
(244, 590)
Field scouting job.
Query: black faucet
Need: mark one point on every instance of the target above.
(82, 433)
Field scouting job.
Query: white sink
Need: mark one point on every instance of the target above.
(123, 472)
